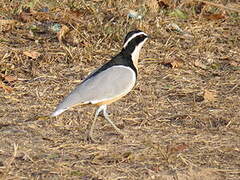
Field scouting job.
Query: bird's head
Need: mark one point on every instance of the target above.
(133, 43)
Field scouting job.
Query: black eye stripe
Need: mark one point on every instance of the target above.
(131, 34)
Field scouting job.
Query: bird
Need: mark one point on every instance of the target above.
(109, 83)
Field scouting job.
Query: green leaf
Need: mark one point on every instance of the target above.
(178, 13)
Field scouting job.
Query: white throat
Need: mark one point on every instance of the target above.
(135, 54)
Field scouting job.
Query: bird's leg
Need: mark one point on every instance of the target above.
(90, 135)
(105, 114)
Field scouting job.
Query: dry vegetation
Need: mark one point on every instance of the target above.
(182, 118)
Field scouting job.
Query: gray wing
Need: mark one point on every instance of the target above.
(109, 84)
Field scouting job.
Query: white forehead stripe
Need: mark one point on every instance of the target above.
(133, 36)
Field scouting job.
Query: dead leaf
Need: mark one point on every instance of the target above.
(174, 27)
(25, 17)
(64, 30)
(5, 87)
(210, 95)
(165, 3)
(234, 63)
(77, 13)
(32, 54)
(198, 63)
(6, 24)
(214, 16)
(177, 148)
(177, 63)
(9, 78)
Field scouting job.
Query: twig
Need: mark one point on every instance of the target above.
(234, 87)
(172, 106)
(219, 5)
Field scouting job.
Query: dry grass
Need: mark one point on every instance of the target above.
(182, 122)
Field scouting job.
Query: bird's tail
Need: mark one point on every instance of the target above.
(57, 112)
